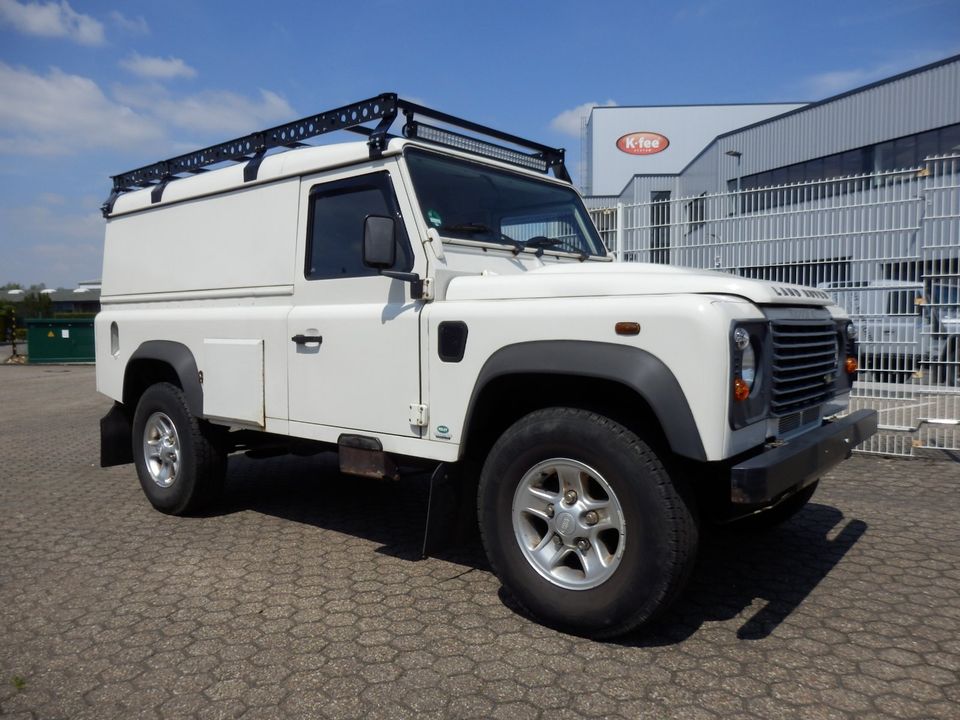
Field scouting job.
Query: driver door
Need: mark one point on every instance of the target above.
(354, 354)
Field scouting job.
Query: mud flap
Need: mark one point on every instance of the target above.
(116, 442)
(451, 510)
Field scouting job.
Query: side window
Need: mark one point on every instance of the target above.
(335, 226)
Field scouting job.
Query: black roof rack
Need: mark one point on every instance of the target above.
(385, 108)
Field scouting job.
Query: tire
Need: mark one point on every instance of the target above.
(180, 467)
(778, 514)
(645, 529)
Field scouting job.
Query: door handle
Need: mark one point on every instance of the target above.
(303, 339)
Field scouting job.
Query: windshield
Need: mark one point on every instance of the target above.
(472, 202)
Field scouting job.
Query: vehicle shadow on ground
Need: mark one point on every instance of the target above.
(311, 490)
(778, 568)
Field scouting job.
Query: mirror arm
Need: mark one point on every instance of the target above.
(416, 283)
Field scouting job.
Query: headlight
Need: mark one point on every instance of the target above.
(748, 364)
(749, 387)
(741, 338)
(851, 331)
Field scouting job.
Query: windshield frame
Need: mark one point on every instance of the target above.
(581, 216)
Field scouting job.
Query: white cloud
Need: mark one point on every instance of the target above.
(218, 112)
(569, 121)
(134, 26)
(51, 19)
(695, 11)
(157, 67)
(49, 198)
(62, 114)
(836, 81)
(58, 113)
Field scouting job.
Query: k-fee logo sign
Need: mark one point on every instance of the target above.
(643, 143)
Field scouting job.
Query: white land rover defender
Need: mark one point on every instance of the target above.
(438, 299)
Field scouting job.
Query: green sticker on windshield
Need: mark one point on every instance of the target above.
(434, 217)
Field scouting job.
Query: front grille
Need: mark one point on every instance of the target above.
(804, 364)
(796, 420)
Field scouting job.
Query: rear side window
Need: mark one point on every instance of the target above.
(335, 227)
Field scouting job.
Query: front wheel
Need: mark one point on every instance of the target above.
(582, 524)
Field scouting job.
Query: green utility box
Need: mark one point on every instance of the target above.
(60, 341)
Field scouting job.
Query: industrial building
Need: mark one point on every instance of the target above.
(82, 300)
(888, 125)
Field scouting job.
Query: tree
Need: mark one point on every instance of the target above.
(35, 304)
(6, 320)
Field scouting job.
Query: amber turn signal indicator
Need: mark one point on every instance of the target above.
(850, 365)
(741, 391)
(627, 328)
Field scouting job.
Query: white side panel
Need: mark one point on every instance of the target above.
(191, 323)
(240, 239)
(233, 381)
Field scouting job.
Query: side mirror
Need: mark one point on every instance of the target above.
(379, 242)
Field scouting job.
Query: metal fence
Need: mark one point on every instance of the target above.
(886, 246)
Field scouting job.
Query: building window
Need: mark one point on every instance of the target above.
(697, 211)
(898, 154)
(949, 140)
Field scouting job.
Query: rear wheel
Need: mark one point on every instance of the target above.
(582, 523)
(181, 468)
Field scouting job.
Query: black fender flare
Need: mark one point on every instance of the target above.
(633, 367)
(178, 356)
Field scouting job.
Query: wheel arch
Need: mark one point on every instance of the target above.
(163, 361)
(591, 375)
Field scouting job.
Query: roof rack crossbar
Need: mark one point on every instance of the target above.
(251, 149)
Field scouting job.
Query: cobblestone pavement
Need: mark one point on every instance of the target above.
(302, 597)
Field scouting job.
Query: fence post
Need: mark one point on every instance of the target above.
(13, 334)
(618, 244)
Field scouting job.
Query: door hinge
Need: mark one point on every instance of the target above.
(427, 289)
(418, 415)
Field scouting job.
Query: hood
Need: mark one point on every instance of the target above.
(620, 278)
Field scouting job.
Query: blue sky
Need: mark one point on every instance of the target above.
(90, 89)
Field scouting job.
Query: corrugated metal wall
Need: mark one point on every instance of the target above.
(912, 104)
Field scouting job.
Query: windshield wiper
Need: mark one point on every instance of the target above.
(540, 242)
(478, 228)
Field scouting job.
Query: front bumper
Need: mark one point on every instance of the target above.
(765, 477)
